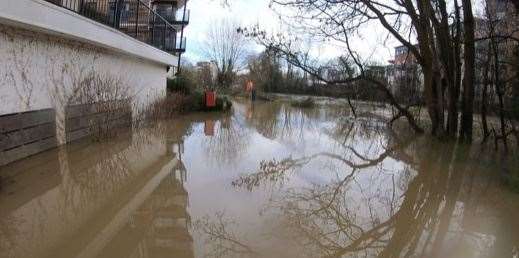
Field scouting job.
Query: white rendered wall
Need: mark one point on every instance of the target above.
(40, 71)
(37, 70)
(47, 51)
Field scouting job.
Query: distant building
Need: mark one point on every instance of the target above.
(504, 20)
(377, 71)
(404, 76)
(502, 8)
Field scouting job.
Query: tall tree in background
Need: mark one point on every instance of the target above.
(434, 32)
(445, 37)
(227, 49)
(469, 70)
(265, 71)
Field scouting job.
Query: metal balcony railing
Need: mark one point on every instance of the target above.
(186, 18)
(180, 18)
(177, 18)
(133, 17)
(180, 46)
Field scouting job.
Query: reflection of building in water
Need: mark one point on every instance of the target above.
(176, 146)
(159, 227)
(123, 198)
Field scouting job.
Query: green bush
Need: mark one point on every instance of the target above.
(196, 102)
(223, 103)
(179, 84)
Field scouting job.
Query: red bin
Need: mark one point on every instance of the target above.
(210, 99)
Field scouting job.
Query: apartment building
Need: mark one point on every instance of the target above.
(61, 61)
(404, 75)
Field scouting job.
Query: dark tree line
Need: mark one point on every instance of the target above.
(272, 74)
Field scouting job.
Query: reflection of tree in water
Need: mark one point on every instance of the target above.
(229, 142)
(275, 171)
(275, 120)
(419, 215)
(220, 238)
(280, 121)
(264, 117)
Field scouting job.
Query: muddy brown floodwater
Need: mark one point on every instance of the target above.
(267, 180)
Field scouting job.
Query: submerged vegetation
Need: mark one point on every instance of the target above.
(184, 96)
(306, 103)
(176, 103)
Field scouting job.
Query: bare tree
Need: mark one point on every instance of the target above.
(430, 30)
(285, 47)
(227, 49)
(220, 238)
(496, 42)
(206, 76)
(468, 76)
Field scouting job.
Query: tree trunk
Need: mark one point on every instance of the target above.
(454, 89)
(439, 100)
(499, 92)
(468, 76)
(484, 96)
(425, 42)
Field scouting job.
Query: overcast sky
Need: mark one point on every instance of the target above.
(251, 12)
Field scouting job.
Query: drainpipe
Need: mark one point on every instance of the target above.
(181, 36)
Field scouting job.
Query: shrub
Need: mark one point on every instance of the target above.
(223, 103)
(197, 102)
(167, 107)
(179, 84)
(176, 103)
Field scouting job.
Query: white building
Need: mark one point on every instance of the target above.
(404, 76)
(51, 50)
(46, 44)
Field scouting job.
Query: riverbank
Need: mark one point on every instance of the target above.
(384, 111)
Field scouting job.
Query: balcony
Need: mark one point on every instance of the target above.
(180, 18)
(175, 18)
(134, 18)
(180, 46)
(166, 39)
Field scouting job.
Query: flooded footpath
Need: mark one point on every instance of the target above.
(266, 180)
